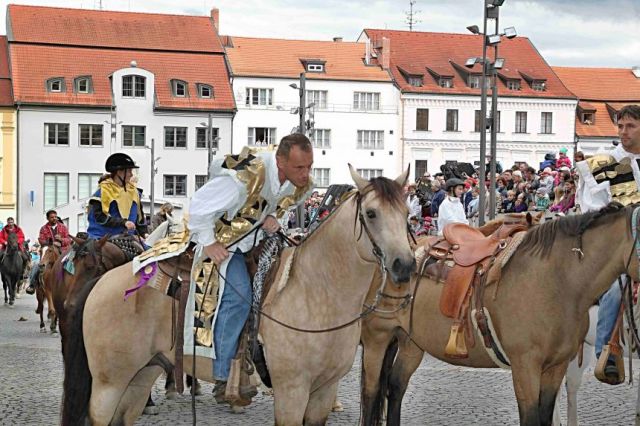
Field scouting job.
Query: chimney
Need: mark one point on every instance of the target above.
(636, 71)
(386, 53)
(337, 39)
(215, 17)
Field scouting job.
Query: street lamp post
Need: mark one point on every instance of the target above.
(152, 196)
(483, 130)
(301, 129)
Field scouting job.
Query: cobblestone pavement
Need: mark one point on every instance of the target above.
(439, 394)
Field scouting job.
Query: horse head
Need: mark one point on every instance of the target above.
(382, 212)
(12, 242)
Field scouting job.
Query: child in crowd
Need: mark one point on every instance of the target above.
(542, 200)
(509, 205)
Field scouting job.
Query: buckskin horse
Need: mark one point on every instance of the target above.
(110, 366)
(11, 268)
(539, 312)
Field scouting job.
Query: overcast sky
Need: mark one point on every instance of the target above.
(604, 33)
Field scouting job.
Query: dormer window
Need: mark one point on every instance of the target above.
(513, 84)
(313, 65)
(539, 85)
(474, 81)
(133, 86)
(588, 117)
(445, 82)
(83, 85)
(179, 88)
(415, 81)
(55, 85)
(204, 90)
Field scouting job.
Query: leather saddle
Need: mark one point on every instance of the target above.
(461, 259)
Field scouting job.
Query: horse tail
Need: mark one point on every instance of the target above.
(379, 402)
(77, 376)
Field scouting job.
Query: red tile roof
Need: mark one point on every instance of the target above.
(601, 84)
(33, 65)
(264, 57)
(602, 126)
(124, 30)
(442, 49)
(6, 96)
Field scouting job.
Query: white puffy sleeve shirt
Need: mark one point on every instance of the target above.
(450, 211)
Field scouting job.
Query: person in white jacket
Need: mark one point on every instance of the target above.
(451, 210)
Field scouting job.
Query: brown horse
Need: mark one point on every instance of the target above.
(539, 312)
(44, 286)
(116, 345)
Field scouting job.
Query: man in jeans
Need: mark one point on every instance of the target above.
(245, 190)
(592, 195)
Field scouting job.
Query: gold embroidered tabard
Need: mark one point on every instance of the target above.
(250, 170)
(124, 197)
(619, 174)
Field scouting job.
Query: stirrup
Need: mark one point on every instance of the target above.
(456, 346)
(601, 365)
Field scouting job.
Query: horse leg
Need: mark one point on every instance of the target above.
(549, 385)
(40, 309)
(170, 386)
(407, 361)
(105, 398)
(526, 383)
(135, 397)
(51, 309)
(574, 376)
(290, 402)
(377, 358)
(319, 406)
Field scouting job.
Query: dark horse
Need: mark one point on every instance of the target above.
(11, 268)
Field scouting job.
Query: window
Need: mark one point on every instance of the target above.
(180, 88)
(82, 222)
(415, 81)
(315, 67)
(201, 137)
(420, 168)
(318, 97)
(175, 185)
(133, 86)
(538, 85)
(445, 82)
(422, 119)
(175, 137)
(321, 138)
(261, 136)
(369, 173)
(546, 123)
(90, 134)
(521, 122)
(452, 120)
(588, 117)
(56, 190)
(55, 85)
(259, 96)
(83, 85)
(87, 184)
(200, 181)
(478, 122)
(366, 101)
(370, 139)
(498, 121)
(133, 136)
(321, 177)
(204, 90)
(474, 81)
(513, 84)
(56, 133)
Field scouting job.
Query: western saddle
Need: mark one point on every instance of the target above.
(461, 260)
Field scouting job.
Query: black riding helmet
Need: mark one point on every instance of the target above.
(119, 161)
(453, 182)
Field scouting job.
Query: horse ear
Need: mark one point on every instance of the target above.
(76, 240)
(402, 179)
(529, 219)
(102, 241)
(360, 182)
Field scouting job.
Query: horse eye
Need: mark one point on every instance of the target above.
(371, 214)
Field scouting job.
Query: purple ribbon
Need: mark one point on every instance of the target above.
(143, 280)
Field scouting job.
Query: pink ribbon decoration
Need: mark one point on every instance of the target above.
(145, 275)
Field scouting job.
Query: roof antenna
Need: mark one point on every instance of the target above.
(411, 20)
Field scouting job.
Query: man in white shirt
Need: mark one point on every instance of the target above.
(451, 209)
(595, 191)
(245, 190)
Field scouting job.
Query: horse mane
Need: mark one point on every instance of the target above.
(540, 239)
(388, 190)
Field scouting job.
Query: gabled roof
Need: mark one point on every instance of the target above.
(123, 30)
(264, 57)
(431, 50)
(602, 127)
(33, 65)
(6, 96)
(603, 84)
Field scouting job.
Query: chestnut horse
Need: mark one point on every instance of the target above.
(44, 287)
(539, 312)
(115, 346)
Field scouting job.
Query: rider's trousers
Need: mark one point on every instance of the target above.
(607, 315)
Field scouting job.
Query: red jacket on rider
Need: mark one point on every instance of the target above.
(15, 229)
(49, 233)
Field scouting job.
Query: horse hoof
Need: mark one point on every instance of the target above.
(235, 409)
(54, 333)
(171, 395)
(11, 302)
(43, 329)
(197, 391)
(18, 296)
(337, 407)
(151, 410)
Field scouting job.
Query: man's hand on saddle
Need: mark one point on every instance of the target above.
(216, 252)
(271, 225)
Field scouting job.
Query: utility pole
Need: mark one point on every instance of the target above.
(494, 129)
(153, 175)
(303, 103)
(483, 130)
(411, 15)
